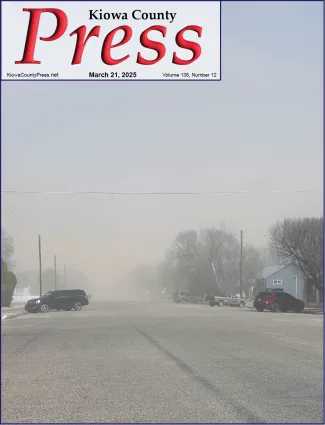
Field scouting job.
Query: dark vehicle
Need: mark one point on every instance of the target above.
(278, 301)
(185, 297)
(58, 300)
(275, 290)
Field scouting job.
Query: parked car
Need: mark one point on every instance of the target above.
(58, 300)
(185, 297)
(228, 299)
(278, 301)
(274, 289)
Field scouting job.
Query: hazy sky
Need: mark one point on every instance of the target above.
(260, 128)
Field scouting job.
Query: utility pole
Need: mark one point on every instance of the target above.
(65, 278)
(55, 272)
(215, 275)
(241, 264)
(40, 265)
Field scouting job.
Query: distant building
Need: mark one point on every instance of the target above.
(28, 279)
(289, 278)
(21, 295)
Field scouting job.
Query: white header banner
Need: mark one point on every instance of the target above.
(111, 40)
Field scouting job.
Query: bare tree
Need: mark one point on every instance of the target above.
(208, 261)
(222, 250)
(252, 263)
(185, 253)
(186, 246)
(8, 284)
(269, 256)
(300, 240)
(7, 247)
(185, 250)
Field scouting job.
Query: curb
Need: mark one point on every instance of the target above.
(12, 316)
(319, 312)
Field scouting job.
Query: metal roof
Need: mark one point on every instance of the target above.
(269, 270)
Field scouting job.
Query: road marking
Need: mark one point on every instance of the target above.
(52, 315)
(29, 317)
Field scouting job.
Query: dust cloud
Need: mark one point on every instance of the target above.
(259, 131)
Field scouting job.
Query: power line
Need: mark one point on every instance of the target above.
(27, 226)
(19, 219)
(237, 192)
(40, 238)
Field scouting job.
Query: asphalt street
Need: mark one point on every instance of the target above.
(162, 362)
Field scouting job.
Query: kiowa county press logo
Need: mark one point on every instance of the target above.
(153, 40)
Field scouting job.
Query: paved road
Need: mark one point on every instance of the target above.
(136, 362)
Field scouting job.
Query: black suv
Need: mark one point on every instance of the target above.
(58, 300)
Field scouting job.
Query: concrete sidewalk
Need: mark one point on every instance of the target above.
(11, 312)
(12, 308)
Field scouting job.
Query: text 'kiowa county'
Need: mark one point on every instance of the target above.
(83, 34)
